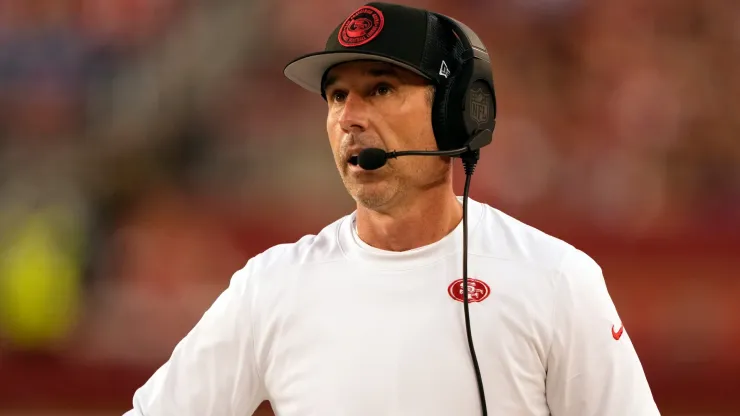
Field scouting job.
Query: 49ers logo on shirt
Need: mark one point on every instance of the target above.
(478, 290)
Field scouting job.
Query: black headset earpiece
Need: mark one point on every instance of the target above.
(465, 105)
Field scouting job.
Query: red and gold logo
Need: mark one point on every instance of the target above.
(478, 290)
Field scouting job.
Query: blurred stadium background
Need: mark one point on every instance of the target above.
(148, 148)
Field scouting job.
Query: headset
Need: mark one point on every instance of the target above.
(465, 105)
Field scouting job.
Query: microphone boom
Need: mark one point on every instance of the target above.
(374, 158)
(454, 152)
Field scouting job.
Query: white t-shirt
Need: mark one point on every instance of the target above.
(331, 326)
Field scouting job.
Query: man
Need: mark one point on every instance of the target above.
(365, 317)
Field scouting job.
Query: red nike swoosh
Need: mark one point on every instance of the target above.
(617, 334)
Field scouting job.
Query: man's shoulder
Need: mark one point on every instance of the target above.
(504, 236)
(322, 247)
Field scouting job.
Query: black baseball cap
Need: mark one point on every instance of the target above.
(412, 38)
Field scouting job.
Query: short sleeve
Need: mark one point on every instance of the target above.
(212, 370)
(592, 369)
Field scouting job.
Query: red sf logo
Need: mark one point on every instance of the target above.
(361, 27)
(358, 27)
(478, 290)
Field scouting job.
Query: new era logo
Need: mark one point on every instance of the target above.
(443, 70)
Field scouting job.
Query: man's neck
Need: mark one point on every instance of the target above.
(418, 223)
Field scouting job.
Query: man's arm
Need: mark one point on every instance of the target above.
(212, 371)
(593, 368)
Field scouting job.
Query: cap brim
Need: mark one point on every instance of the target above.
(308, 70)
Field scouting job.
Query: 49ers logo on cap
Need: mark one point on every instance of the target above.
(478, 290)
(361, 27)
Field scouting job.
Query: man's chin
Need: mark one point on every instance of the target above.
(372, 195)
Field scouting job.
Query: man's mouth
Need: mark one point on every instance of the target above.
(353, 160)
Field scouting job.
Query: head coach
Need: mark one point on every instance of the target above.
(419, 302)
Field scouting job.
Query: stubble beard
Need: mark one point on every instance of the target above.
(373, 195)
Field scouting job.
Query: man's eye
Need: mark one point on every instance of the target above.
(338, 96)
(383, 89)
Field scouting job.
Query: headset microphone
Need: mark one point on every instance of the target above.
(374, 158)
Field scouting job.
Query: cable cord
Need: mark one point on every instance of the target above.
(469, 162)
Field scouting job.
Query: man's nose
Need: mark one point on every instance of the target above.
(354, 113)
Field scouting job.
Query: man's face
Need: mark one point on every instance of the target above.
(374, 104)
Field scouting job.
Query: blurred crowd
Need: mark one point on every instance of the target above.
(125, 207)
